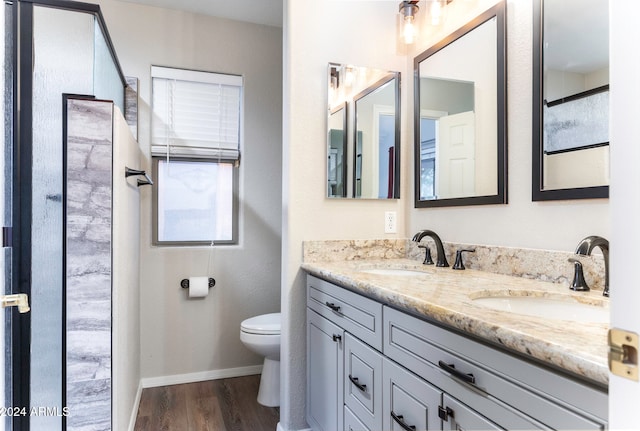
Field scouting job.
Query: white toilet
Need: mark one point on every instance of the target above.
(261, 334)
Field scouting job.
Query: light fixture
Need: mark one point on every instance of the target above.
(407, 24)
(408, 10)
(437, 11)
(350, 75)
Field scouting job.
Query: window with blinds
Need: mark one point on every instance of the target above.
(195, 114)
(195, 144)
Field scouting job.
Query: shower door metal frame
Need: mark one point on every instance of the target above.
(20, 29)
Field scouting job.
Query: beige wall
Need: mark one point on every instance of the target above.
(125, 366)
(181, 336)
(364, 33)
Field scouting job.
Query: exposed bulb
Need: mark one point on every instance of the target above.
(436, 12)
(349, 77)
(409, 30)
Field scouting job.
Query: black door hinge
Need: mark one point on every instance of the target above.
(7, 236)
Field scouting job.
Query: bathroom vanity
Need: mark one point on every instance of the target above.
(398, 346)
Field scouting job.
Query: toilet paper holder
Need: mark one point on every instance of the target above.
(185, 283)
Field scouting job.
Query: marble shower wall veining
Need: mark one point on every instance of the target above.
(544, 265)
(88, 264)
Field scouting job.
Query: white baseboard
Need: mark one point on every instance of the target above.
(281, 428)
(177, 379)
(136, 406)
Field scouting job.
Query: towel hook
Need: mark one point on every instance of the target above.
(128, 172)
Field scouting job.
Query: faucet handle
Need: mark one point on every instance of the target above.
(459, 264)
(578, 284)
(427, 255)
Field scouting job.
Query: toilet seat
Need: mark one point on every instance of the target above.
(266, 324)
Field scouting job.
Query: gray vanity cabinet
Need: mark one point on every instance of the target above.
(372, 367)
(324, 373)
(510, 392)
(344, 363)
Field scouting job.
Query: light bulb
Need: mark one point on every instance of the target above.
(409, 30)
(436, 12)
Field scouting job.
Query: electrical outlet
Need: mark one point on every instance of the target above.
(390, 222)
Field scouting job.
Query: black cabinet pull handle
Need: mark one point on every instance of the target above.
(337, 337)
(360, 386)
(445, 413)
(332, 306)
(450, 368)
(400, 421)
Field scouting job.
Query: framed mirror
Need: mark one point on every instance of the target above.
(570, 99)
(460, 116)
(363, 133)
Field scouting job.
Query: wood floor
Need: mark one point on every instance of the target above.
(215, 405)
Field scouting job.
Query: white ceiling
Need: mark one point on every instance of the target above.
(267, 12)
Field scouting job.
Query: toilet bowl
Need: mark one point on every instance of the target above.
(261, 334)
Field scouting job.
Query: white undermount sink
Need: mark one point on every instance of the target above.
(393, 271)
(557, 308)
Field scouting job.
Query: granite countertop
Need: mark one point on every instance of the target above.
(446, 296)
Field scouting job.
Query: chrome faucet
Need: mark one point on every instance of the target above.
(586, 246)
(441, 259)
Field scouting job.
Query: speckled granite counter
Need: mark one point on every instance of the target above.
(446, 296)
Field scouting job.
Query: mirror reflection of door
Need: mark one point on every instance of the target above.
(456, 155)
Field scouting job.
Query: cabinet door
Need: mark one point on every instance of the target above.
(409, 403)
(324, 373)
(363, 381)
(351, 421)
(458, 417)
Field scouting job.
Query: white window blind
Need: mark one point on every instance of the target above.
(195, 114)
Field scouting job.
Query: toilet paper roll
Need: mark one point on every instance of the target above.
(198, 287)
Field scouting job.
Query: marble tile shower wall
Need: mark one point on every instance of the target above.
(545, 265)
(88, 278)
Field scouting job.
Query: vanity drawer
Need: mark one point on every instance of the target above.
(356, 314)
(351, 421)
(476, 374)
(363, 382)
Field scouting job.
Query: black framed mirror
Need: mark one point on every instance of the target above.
(570, 99)
(460, 117)
(376, 138)
(363, 142)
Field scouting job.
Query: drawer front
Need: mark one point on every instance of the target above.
(408, 401)
(435, 354)
(351, 422)
(356, 314)
(363, 382)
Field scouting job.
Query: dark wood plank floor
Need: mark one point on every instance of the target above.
(214, 405)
